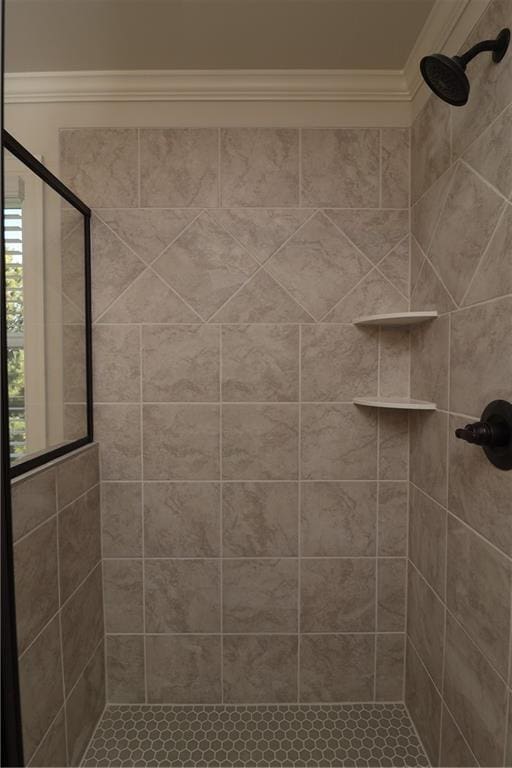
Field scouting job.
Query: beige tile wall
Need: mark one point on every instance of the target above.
(59, 604)
(254, 520)
(460, 525)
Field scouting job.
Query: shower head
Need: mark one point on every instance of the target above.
(446, 76)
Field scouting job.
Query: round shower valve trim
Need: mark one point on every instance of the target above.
(493, 433)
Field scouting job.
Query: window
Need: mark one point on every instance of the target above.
(13, 229)
(47, 309)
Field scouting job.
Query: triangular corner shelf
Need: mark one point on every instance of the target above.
(395, 319)
(398, 403)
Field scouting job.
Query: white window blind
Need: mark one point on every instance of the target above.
(13, 233)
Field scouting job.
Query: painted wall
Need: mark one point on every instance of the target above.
(59, 604)
(460, 569)
(254, 520)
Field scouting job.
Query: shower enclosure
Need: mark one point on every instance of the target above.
(276, 551)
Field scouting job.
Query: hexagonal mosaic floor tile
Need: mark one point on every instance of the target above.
(255, 735)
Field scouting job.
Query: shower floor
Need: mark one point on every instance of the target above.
(255, 735)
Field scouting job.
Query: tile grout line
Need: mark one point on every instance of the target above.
(61, 640)
(103, 591)
(459, 623)
(55, 515)
(139, 169)
(443, 703)
(299, 521)
(380, 169)
(264, 557)
(508, 728)
(142, 512)
(373, 265)
(300, 166)
(465, 523)
(445, 622)
(56, 614)
(114, 481)
(485, 181)
(93, 735)
(262, 267)
(367, 633)
(221, 510)
(478, 268)
(378, 431)
(147, 266)
(408, 486)
(219, 167)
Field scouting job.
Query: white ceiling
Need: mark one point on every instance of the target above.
(63, 35)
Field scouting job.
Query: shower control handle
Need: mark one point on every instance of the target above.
(493, 433)
(483, 433)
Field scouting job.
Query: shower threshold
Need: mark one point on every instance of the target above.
(228, 735)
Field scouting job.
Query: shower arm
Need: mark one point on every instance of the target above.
(496, 46)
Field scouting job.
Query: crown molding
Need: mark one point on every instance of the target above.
(445, 31)
(207, 85)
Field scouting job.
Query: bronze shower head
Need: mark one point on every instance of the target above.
(446, 76)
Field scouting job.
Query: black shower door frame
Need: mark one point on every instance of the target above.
(11, 720)
(23, 155)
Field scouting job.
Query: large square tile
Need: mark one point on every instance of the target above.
(123, 585)
(178, 167)
(183, 669)
(259, 166)
(100, 165)
(205, 265)
(337, 667)
(260, 668)
(340, 168)
(181, 519)
(180, 363)
(339, 442)
(338, 595)
(260, 362)
(338, 519)
(260, 519)
(260, 442)
(338, 362)
(318, 265)
(181, 442)
(182, 595)
(260, 595)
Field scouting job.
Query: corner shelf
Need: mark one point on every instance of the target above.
(395, 319)
(399, 403)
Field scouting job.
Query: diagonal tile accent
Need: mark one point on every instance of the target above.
(430, 293)
(396, 266)
(493, 277)
(262, 300)
(262, 230)
(374, 232)
(72, 262)
(149, 300)
(373, 295)
(465, 226)
(70, 312)
(417, 259)
(491, 154)
(205, 265)
(425, 213)
(318, 265)
(114, 267)
(147, 232)
(70, 219)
